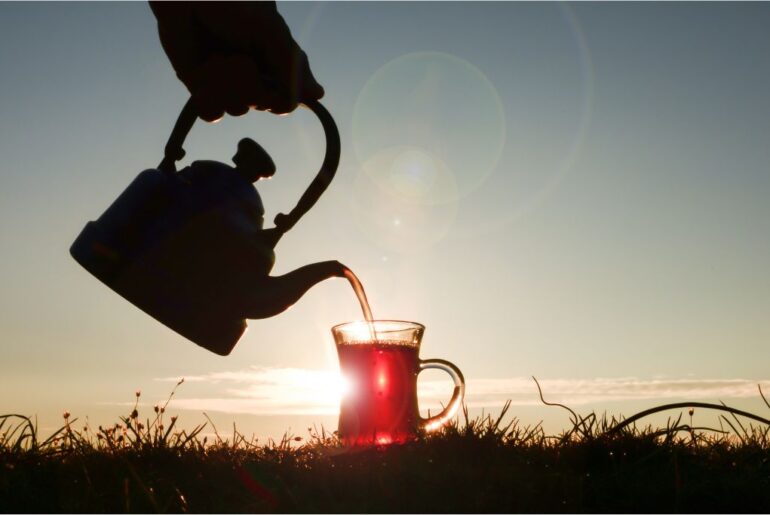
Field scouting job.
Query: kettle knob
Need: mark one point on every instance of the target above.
(252, 162)
(175, 152)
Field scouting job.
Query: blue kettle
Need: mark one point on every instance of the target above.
(189, 248)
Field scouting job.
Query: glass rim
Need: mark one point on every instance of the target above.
(406, 325)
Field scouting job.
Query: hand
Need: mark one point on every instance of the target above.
(233, 56)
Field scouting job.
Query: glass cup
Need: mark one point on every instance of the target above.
(380, 363)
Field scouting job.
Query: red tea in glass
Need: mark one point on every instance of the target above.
(380, 361)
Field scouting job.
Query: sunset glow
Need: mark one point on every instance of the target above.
(549, 195)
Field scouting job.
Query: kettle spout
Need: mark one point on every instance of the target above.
(274, 295)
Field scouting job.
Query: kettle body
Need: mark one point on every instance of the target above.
(189, 247)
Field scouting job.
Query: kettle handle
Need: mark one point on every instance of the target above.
(174, 152)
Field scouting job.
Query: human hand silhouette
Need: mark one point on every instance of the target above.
(233, 56)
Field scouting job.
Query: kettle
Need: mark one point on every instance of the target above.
(189, 248)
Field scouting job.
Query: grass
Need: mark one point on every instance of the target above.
(472, 465)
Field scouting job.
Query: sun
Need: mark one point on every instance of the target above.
(319, 390)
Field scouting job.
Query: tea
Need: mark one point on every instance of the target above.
(381, 404)
(380, 360)
(358, 288)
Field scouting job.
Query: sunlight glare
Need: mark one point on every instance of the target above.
(440, 103)
(398, 199)
(290, 390)
(359, 331)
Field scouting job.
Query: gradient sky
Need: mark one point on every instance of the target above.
(578, 192)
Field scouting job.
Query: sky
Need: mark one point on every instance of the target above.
(576, 192)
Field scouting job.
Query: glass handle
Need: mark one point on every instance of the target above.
(433, 423)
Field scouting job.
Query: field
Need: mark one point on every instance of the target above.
(474, 465)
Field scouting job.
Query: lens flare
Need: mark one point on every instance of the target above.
(535, 170)
(397, 199)
(441, 104)
(411, 174)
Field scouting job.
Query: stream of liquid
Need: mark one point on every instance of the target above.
(361, 294)
(359, 289)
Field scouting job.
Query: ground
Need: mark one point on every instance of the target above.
(471, 466)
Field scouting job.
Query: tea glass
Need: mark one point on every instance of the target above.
(380, 362)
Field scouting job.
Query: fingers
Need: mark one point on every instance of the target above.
(308, 88)
(278, 72)
(257, 29)
(255, 63)
(290, 70)
(233, 85)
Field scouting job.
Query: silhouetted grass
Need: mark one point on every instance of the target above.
(473, 465)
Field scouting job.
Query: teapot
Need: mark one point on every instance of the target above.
(189, 248)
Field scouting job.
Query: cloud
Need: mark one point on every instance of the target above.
(295, 391)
